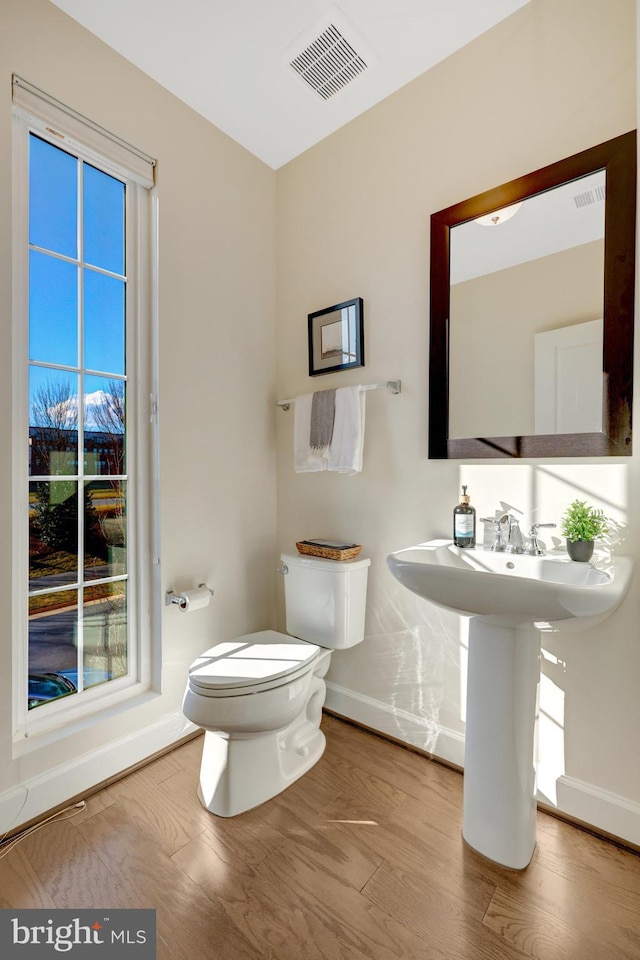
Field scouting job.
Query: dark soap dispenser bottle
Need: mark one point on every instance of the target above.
(464, 522)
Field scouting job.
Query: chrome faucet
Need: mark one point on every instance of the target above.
(514, 539)
(533, 548)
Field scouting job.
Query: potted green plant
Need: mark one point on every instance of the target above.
(581, 525)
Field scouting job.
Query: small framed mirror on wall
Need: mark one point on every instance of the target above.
(336, 337)
(532, 313)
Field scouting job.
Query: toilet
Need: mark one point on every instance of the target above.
(259, 697)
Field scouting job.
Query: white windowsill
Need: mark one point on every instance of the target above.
(51, 730)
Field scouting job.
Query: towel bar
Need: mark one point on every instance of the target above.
(395, 386)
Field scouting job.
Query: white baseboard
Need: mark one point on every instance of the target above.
(599, 808)
(426, 734)
(42, 793)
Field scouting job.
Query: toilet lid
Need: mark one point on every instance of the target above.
(256, 659)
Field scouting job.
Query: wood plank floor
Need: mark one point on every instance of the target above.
(361, 859)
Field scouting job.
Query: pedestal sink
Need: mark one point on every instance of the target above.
(510, 599)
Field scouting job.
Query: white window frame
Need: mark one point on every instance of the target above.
(36, 113)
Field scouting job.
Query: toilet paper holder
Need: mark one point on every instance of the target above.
(171, 597)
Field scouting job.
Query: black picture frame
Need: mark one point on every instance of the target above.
(336, 337)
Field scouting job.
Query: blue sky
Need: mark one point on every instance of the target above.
(54, 283)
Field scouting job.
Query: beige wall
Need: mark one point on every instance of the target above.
(217, 369)
(550, 81)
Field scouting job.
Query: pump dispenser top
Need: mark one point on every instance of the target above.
(464, 522)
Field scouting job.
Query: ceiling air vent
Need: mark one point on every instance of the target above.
(587, 197)
(329, 63)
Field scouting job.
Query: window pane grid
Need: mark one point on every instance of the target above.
(72, 586)
(89, 372)
(89, 267)
(55, 255)
(80, 424)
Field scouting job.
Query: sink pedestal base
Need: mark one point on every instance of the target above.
(499, 819)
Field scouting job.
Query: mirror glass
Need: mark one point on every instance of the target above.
(523, 289)
(532, 288)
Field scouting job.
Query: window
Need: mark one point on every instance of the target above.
(83, 443)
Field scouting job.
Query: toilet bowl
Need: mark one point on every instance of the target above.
(259, 697)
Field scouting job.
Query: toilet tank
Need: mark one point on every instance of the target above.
(325, 599)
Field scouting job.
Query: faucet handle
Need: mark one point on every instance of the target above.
(498, 544)
(534, 550)
(537, 526)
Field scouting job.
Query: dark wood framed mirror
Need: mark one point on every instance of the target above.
(532, 313)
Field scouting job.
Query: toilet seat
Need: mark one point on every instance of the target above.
(251, 663)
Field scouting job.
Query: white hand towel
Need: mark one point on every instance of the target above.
(305, 460)
(345, 453)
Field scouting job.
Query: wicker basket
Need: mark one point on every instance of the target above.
(319, 548)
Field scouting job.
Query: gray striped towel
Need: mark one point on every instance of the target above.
(323, 411)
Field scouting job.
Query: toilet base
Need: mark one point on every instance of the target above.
(239, 772)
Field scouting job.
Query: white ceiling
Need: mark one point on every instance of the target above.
(229, 59)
